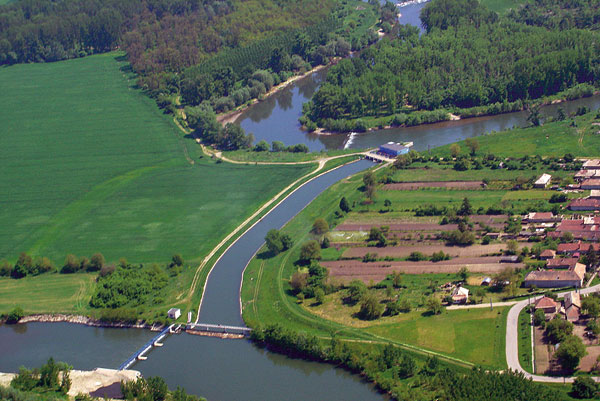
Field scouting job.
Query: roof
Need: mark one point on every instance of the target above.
(588, 203)
(579, 269)
(577, 247)
(593, 163)
(545, 302)
(552, 275)
(541, 216)
(173, 310)
(594, 194)
(460, 291)
(572, 299)
(591, 181)
(548, 253)
(396, 145)
(544, 179)
(564, 263)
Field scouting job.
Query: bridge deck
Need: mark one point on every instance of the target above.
(218, 328)
(144, 348)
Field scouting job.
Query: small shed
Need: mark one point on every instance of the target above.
(460, 295)
(543, 181)
(486, 281)
(174, 313)
(547, 304)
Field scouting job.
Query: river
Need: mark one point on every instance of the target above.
(276, 118)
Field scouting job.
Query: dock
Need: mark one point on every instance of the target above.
(218, 328)
(140, 354)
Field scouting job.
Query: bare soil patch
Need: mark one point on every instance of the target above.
(426, 249)
(496, 222)
(409, 186)
(347, 270)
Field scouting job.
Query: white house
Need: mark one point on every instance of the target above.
(174, 313)
(543, 181)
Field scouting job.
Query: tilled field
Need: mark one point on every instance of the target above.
(426, 249)
(409, 186)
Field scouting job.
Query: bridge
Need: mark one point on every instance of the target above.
(140, 353)
(219, 328)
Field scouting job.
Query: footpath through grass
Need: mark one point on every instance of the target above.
(91, 165)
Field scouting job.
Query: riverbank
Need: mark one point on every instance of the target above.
(99, 382)
(232, 116)
(79, 319)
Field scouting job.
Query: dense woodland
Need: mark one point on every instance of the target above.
(563, 15)
(469, 58)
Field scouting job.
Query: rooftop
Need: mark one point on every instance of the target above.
(545, 302)
(564, 263)
(593, 163)
(397, 145)
(544, 179)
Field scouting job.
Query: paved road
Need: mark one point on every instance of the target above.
(512, 347)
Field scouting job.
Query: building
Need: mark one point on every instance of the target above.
(543, 181)
(587, 228)
(591, 184)
(394, 149)
(460, 295)
(556, 278)
(547, 254)
(539, 218)
(547, 304)
(583, 174)
(486, 281)
(562, 263)
(509, 259)
(572, 306)
(174, 313)
(577, 248)
(592, 164)
(585, 204)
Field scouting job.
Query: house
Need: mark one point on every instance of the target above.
(591, 184)
(460, 295)
(394, 149)
(174, 313)
(486, 281)
(587, 228)
(592, 164)
(585, 204)
(538, 218)
(562, 263)
(556, 278)
(547, 304)
(572, 306)
(547, 254)
(577, 248)
(543, 181)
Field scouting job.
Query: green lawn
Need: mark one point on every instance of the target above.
(524, 340)
(68, 293)
(91, 165)
(551, 139)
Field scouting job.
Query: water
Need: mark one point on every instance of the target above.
(276, 118)
(210, 367)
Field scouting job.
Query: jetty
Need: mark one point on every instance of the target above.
(140, 354)
(218, 328)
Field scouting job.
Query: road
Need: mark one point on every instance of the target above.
(512, 346)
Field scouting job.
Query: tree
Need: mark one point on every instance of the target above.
(591, 258)
(570, 352)
(454, 150)
(370, 307)
(584, 387)
(96, 262)
(72, 264)
(261, 146)
(463, 273)
(344, 205)
(434, 305)
(299, 281)
(356, 290)
(277, 146)
(591, 306)
(512, 246)
(473, 145)
(369, 179)
(539, 317)
(319, 295)
(310, 250)
(177, 260)
(15, 315)
(320, 226)
(277, 242)
(558, 330)
(397, 279)
(465, 208)
(534, 115)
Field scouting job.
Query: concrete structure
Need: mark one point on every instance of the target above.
(583, 174)
(487, 281)
(543, 181)
(592, 164)
(572, 306)
(547, 304)
(395, 149)
(174, 313)
(460, 295)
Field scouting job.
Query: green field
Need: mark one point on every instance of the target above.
(551, 139)
(91, 165)
(525, 341)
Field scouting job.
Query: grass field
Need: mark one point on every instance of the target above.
(524, 340)
(551, 139)
(91, 165)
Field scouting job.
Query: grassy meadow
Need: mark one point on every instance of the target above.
(91, 165)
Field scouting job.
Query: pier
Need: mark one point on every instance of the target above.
(140, 354)
(219, 328)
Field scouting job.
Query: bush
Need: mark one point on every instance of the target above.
(417, 257)
(311, 250)
(15, 315)
(584, 387)
(370, 307)
(261, 146)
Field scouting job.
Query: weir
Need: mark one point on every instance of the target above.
(140, 354)
(219, 328)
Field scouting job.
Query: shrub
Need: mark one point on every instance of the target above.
(15, 315)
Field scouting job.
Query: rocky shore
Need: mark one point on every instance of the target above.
(77, 319)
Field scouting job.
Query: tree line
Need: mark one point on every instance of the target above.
(466, 60)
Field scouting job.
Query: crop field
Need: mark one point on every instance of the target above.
(91, 165)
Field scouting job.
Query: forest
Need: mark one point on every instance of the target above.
(469, 58)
